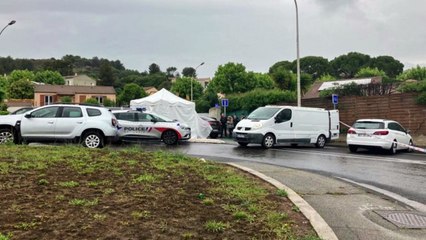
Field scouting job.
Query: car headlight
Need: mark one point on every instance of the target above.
(256, 126)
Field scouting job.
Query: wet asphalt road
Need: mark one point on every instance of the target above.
(403, 173)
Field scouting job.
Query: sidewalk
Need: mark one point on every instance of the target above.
(349, 210)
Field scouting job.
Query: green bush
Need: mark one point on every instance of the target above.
(421, 99)
(66, 99)
(4, 112)
(109, 103)
(413, 87)
(92, 101)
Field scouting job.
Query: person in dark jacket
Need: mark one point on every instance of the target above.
(223, 123)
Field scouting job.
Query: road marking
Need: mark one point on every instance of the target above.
(416, 205)
(346, 156)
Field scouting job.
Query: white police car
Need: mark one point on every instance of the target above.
(136, 125)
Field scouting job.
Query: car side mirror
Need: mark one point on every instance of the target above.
(277, 120)
(154, 120)
(408, 131)
(27, 115)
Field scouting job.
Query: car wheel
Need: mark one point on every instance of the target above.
(268, 141)
(93, 139)
(243, 144)
(353, 148)
(169, 137)
(6, 136)
(393, 148)
(320, 141)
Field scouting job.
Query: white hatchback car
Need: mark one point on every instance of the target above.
(378, 133)
(136, 125)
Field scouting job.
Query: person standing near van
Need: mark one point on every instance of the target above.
(223, 124)
(230, 125)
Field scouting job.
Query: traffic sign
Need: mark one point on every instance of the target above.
(334, 98)
(225, 102)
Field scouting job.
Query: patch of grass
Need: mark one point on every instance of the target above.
(208, 202)
(4, 167)
(26, 225)
(83, 202)
(108, 191)
(100, 217)
(241, 215)
(69, 184)
(141, 214)
(6, 237)
(215, 226)
(43, 182)
(60, 197)
(145, 178)
(295, 208)
(185, 236)
(282, 193)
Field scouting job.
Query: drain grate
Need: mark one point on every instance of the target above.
(404, 219)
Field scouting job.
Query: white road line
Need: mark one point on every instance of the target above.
(416, 205)
(346, 156)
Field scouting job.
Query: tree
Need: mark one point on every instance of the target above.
(182, 88)
(371, 72)
(285, 64)
(49, 77)
(106, 75)
(284, 78)
(326, 78)
(232, 78)
(417, 73)
(189, 72)
(262, 80)
(154, 68)
(171, 72)
(157, 80)
(21, 89)
(388, 64)
(315, 66)
(346, 66)
(7, 65)
(17, 75)
(131, 91)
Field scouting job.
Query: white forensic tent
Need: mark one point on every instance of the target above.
(169, 105)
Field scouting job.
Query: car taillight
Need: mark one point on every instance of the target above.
(114, 122)
(381, 133)
(351, 131)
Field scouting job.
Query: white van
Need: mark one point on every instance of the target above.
(272, 125)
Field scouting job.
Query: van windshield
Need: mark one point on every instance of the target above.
(263, 113)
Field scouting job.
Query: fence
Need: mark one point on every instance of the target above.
(399, 107)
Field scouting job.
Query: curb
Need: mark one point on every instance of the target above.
(321, 227)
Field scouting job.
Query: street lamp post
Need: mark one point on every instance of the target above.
(193, 76)
(299, 101)
(11, 23)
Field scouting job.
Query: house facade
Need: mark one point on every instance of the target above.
(79, 80)
(48, 94)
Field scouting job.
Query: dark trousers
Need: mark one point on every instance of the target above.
(224, 131)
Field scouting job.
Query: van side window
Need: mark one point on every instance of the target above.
(284, 115)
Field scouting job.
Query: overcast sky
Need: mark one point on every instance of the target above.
(184, 33)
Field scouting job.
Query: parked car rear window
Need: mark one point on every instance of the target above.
(369, 125)
(92, 112)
